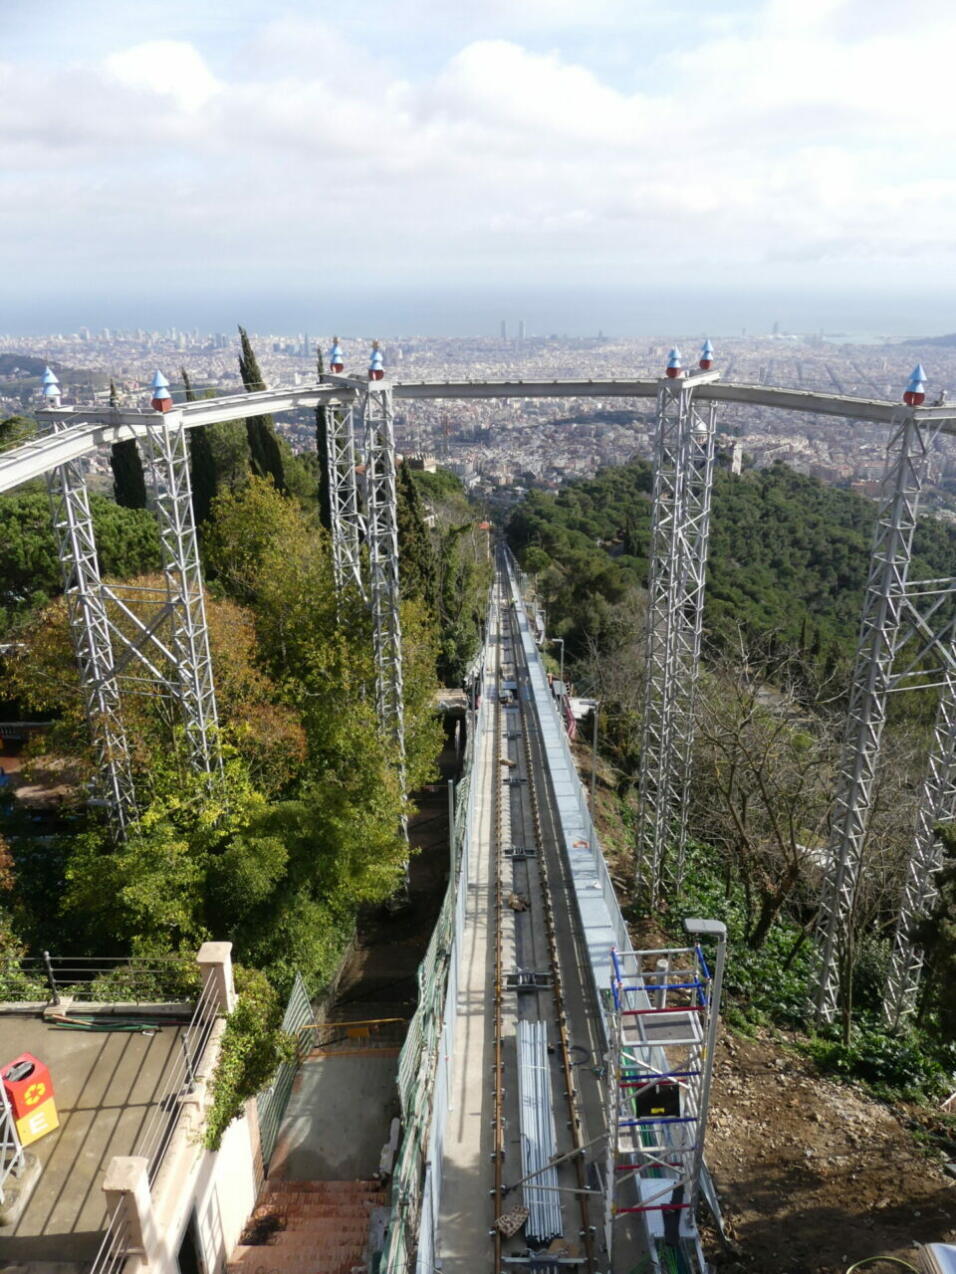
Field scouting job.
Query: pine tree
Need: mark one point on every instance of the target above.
(265, 458)
(322, 449)
(202, 467)
(129, 484)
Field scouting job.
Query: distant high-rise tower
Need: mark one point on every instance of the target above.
(504, 329)
(520, 330)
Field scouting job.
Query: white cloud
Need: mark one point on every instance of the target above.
(789, 133)
(172, 68)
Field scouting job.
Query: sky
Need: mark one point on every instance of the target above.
(434, 166)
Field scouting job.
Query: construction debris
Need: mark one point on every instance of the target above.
(510, 1222)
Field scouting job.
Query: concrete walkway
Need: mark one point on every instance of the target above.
(338, 1116)
(466, 1206)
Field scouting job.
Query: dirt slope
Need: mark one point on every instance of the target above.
(813, 1175)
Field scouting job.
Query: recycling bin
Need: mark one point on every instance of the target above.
(29, 1090)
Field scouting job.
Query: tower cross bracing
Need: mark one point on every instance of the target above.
(92, 640)
(348, 526)
(893, 616)
(167, 455)
(683, 479)
(383, 591)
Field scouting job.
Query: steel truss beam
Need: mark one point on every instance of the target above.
(90, 628)
(379, 435)
(167, 456)
(683, 479)
(348, 525)
(890, 618)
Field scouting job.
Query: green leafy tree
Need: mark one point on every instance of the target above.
(265, 458)
(127, 543)
(15, 430)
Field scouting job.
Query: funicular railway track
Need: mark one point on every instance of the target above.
(530, 892)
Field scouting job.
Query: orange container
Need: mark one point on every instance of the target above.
(27, 1083)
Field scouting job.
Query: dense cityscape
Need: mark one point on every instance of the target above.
(499, 448)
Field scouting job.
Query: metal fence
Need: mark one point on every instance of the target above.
(299, 1020)
(99, 979)
(424, 1068)
(115, 1249)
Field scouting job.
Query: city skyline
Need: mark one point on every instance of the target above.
(425, 166)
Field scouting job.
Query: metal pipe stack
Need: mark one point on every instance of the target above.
(538, 1141)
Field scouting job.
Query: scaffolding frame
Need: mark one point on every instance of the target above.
(348, 524)
(92, 640)
(680, 533)
(663, 1017)
(384, 595)
(898, 614)
(167, 455)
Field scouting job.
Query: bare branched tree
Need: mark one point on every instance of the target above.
(763, 785)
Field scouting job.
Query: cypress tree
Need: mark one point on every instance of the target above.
(416, 554)
(202, 467)
(129, 483)
(265, 458)
(322, 448)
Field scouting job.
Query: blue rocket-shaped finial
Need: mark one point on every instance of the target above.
(51, 388)
(376, 364)
(915, 393)
(336, 357)
(673, 363)
(160, 397)
(706, 356)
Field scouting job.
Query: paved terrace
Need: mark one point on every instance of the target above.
(105, 1085)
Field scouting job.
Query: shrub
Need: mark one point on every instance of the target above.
(253, 1046)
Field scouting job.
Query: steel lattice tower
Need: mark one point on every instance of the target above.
(90, 628)
(167, 455)
(377, 419)
(937, 805)
(348, 527)
(683, 478)
(887, 605)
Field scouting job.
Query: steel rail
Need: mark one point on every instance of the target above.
(557, 987)
(100, 427)
(498, 854)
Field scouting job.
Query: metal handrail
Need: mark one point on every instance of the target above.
(163, 1119)
(114, 1251)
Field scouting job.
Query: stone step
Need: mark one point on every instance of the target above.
(282, 1185)
(281, 1207)
(325, 1231)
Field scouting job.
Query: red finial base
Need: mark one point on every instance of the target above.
(376, 375)
(160, 404)
(336, 367)
(673, 372)
(913, 399)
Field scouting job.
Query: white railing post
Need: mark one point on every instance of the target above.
(127, 1183)
(215, 965)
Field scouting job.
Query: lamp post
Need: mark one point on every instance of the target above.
(595, 704)
(559, 641)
